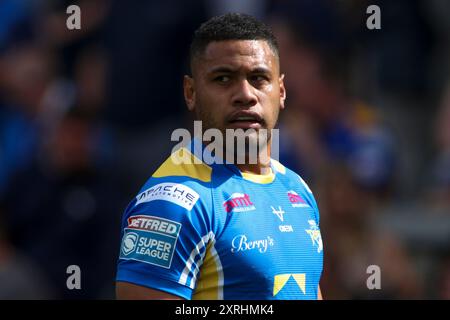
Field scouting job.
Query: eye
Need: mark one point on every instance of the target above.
(222, 79)
(259, 78)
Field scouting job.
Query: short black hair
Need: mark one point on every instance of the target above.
(231, 26)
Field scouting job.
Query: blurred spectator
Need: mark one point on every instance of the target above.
(20, 277)
(444, 280)
(340, 143)
(440, 175)
(69, 44)
(354, 242)
(33, 99)
(64, 210)
(90, 79)
(16, 19)
(323, 124)
(148, 45)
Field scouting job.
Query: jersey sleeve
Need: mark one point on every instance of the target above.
(311, 200)
(165, 232)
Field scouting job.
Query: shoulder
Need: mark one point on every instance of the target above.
(290, 175)
(296, 182)
(179, 184)
(182, 163)
(182, 167)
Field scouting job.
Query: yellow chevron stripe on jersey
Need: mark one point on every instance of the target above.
(279, 281)
(185, 164)
(300, 278)
(210, 283)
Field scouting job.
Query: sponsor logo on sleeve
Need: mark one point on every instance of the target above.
(150, 239)
(314, 233)
(129, 242)
(296, 200)
(238, 202)
(177, 193)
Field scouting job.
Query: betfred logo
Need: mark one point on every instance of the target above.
(150, 239)
(296, 200)
(238, 202)
(155, 224)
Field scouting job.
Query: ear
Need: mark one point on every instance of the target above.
(189, 92)
(282, 91)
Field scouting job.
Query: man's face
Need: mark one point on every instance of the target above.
(236, 84)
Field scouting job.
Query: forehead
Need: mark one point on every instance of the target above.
(237, 54)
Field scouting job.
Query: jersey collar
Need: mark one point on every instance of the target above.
(199, 149)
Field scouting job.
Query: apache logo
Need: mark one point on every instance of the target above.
(296, 200)
(238, 202)
(176, 193)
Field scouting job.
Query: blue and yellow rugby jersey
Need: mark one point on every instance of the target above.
(211, 232)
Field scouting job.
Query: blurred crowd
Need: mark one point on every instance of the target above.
(86, 117)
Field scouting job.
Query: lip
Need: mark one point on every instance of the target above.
(256, 123)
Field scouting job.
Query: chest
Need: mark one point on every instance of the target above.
(266, 234)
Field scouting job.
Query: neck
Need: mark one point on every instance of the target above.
(254, 168)
(262, 166)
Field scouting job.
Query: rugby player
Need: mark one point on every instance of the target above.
(223, 230)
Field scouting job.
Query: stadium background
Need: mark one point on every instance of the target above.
(86, 117)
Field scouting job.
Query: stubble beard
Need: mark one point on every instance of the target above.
(232, 150)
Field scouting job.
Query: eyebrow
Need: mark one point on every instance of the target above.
(225, 69)
(221, 69)
(261, 70)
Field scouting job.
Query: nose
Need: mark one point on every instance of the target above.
(244, 95)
